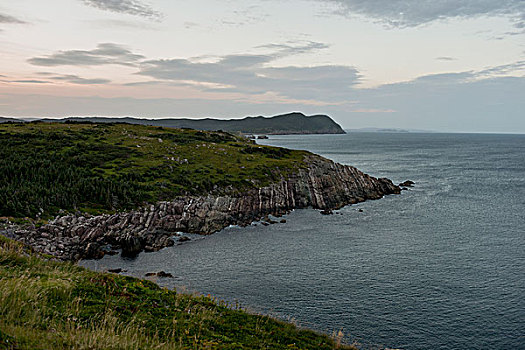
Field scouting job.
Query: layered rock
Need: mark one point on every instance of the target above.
(321, 184)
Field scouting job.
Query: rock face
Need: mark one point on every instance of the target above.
(322, 184)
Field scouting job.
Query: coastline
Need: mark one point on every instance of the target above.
(322, 184)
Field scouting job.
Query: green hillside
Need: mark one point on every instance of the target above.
(45, 167)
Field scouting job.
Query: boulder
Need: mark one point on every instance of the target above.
(159, 274)
(93, 251)
(131, 246)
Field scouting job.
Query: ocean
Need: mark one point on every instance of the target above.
(440, 266)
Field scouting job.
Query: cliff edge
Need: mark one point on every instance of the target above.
(323, 184)
(79, 190)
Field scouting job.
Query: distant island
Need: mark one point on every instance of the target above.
(390, 130)
(290, 123)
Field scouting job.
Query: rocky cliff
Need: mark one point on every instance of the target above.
(321, 184)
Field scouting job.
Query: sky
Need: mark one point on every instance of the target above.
(441, 65)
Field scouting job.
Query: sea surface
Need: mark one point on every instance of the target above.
(441, 266)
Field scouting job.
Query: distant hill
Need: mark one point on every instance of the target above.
(291, 123)
(13, 120)
(390, 130)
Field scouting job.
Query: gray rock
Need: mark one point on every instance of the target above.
(93, 251)
(322, 185)
(131, 246)
(160, 274)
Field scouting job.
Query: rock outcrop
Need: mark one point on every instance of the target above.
(321, 184)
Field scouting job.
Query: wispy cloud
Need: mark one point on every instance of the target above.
(104, 54)
(29, 81)
(244, 16)
(10, 19)
(515, 68)
(411, 13)
(74, 79)
(130, 7)
(295, 47)
(51, 78)
(445, 58)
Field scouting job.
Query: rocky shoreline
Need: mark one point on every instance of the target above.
(322, 184)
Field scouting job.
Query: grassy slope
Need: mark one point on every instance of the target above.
(55, 305)
(50, 305)
(106, 167)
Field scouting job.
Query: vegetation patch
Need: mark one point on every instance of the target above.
(53, 305)
(97, 168)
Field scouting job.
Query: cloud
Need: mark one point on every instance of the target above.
(514, 70)
(445, 58)
(245, 16)
(295, 47)
(130, 7)
(440, 78)
(104, 54)
(10, 19)
(506, 69)
(252, 74)
(52, 77)
(30, 81)
(412, 13)
(248, 74)
(74, 79)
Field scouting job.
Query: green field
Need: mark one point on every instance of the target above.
(96, 168)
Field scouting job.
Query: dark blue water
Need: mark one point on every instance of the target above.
(441, 266)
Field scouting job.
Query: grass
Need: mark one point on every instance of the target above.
(98, 168)
(47, 304)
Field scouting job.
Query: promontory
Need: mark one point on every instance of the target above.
(289, 123)
(77, 190)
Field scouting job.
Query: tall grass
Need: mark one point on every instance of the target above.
(53, 305)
